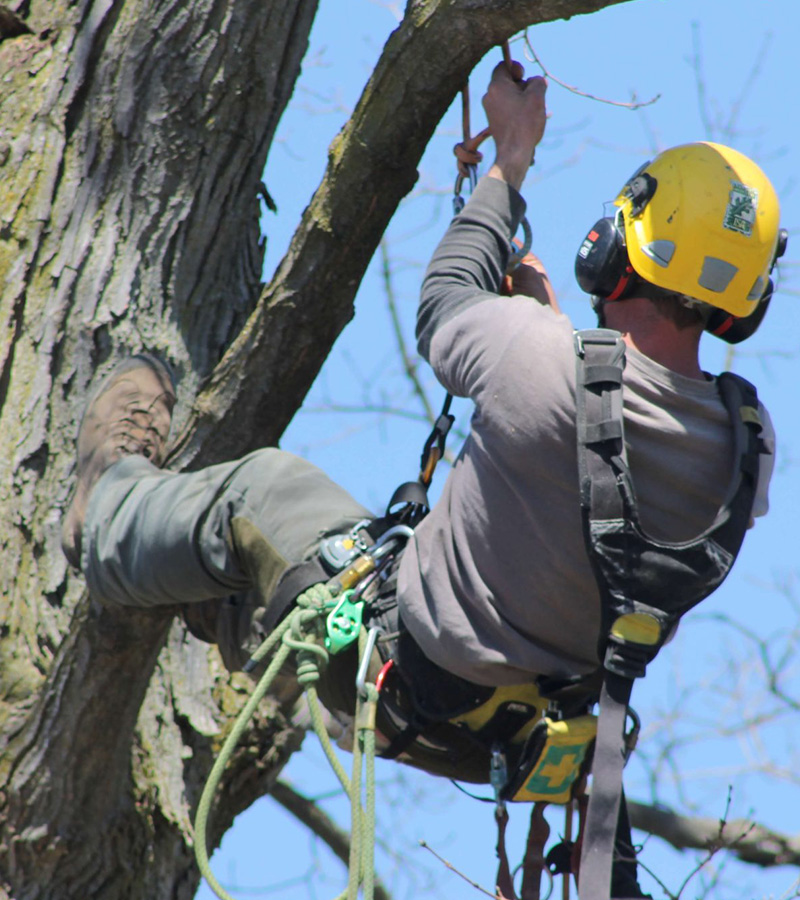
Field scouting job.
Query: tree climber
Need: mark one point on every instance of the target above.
(496, 587)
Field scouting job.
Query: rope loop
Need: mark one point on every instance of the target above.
(303, 632)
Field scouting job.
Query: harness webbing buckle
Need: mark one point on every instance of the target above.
(602, 336)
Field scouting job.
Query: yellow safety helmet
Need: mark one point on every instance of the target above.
(703, 220)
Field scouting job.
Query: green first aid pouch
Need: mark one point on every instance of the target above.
(554, 757)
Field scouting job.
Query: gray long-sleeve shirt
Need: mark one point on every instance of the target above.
(496, 585)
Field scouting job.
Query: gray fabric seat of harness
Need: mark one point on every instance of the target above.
(635, 573)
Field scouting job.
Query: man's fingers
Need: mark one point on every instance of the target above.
(537, 84)
(501, 72)
(517, 71)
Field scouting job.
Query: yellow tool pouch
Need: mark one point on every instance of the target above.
(553, 758)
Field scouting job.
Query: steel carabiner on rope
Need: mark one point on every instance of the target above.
(458, 201)
(519, 253)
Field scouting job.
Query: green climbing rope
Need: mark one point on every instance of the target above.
(303, 632)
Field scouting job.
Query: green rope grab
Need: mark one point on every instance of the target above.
(302, 631)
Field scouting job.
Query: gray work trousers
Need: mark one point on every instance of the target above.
(221, 536)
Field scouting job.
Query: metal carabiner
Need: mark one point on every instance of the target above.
(519, 253)
(458, 201)
(632, 736)
(361, 675)
(498, 776)
(396, 533)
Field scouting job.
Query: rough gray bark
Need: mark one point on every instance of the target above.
(132, 137)
(133, 134)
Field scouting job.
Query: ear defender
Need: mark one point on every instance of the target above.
(733, 329)
(602, 267)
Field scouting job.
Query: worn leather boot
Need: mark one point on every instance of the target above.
(130, 414)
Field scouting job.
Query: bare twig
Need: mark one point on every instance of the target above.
(700, 82)
(755, 72)
(748, 841)
(410, 366)
(449, 865)
(632, 104)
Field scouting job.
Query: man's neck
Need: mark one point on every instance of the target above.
(644, 329)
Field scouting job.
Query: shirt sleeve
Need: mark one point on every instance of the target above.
(469, 264)
(499, 347)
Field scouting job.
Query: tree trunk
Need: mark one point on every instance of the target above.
(133, 135)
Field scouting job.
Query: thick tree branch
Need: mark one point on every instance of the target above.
(372, 164)
(750, 842)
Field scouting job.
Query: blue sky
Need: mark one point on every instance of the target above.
(746, 53)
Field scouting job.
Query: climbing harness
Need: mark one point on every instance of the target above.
(645, 585)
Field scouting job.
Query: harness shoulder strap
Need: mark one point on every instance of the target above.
(654, 582)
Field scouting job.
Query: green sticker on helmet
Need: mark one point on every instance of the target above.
(740, 215)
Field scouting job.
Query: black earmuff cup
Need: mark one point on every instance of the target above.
(602, 260)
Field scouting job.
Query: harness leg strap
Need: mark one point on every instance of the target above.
(533, 861)
(505, 881)
(604, 801)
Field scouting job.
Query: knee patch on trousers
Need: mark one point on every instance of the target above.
(234, 623)
(240, 624)
(262, 562)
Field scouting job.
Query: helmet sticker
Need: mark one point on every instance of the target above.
(740, 214)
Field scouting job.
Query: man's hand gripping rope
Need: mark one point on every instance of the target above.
(517, 116)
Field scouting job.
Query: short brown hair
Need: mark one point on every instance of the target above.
(672, 306)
